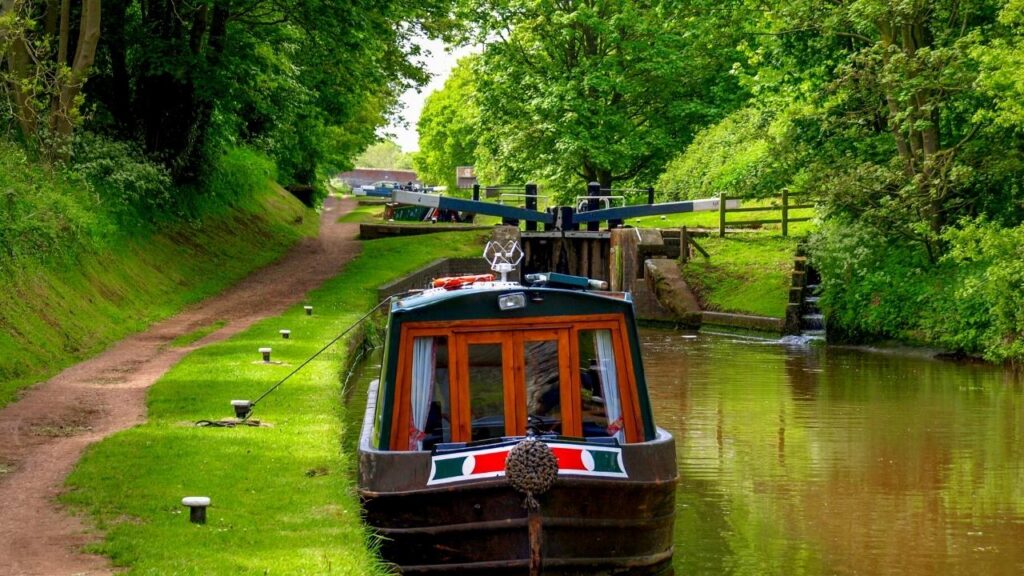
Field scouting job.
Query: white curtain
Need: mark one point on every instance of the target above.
(609, 382)
(422, 388)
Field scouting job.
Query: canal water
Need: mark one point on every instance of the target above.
(798, 460)
(817, 460)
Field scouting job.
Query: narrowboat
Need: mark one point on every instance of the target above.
(511, 432)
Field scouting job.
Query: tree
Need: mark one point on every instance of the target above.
(386, 154)
(597, 90)
(308, 81)
(43, 74)
(900, 116)
(448, 128)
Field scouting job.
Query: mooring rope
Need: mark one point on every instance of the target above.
(227, 423)
(320, 351)
(531, 468)
(245, 420)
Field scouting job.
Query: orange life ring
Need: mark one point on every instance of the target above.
(453, 282)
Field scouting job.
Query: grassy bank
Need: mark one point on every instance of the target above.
(970, 300)
(283, 499)
(710, 219)
(746, 274)
(84, 295)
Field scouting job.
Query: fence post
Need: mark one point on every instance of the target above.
(785, 212)
(721, 215)
(650, 194)
(531, 204)
(476, 192)
(684, 246)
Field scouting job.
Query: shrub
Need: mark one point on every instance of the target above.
(743, 155)
(971, 300)
(991, 258)
(131, 188)
(42, 209)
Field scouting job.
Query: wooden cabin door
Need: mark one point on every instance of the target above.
(510, 380)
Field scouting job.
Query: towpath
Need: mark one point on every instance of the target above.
(44, 434)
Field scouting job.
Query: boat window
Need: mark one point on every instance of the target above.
(431, 397)
(601, 411)
(486, 391)
(543, 390)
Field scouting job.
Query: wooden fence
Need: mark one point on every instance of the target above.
(784, 220)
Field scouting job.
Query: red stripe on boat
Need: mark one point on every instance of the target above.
(569, 459)
(493, 462)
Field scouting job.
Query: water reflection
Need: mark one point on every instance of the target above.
(810, 460)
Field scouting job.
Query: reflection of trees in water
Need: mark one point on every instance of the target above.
(842, 461)
(802, 369)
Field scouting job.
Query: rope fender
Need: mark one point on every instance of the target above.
(531, 468)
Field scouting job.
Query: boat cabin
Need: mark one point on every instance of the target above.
(500, 360)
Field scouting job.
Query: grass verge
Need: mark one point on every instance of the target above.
(711, 219)
(283, 497)
(747, 273)
(53, 315)
(364, 213)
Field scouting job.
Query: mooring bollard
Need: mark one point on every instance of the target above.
(242, 408)
(309, 310)
(285, 334)
(266, 354)
(197, 508)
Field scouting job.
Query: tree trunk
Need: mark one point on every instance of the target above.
(115, 21)
(18, 63)
(85, 55)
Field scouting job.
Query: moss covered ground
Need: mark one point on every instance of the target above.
(748, 273)
(283, 497)
(59, 310)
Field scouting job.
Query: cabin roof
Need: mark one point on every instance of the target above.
(481, 301)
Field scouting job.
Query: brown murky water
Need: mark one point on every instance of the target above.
(811, 460)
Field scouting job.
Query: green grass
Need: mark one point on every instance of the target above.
(283, 496)
(710, 219)
(748, 273)
(56, 313)
(197, 335)
(364, 213)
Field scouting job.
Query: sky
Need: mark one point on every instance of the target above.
(440, 64)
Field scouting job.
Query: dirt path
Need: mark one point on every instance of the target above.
(43, 435)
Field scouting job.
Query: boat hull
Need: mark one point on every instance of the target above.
(587, 527)
(593, 526)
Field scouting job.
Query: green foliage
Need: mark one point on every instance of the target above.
(131, 188)
(905, 142)
(307, 82)
(448, 128)
(744, 155)
(44, 210)
(386, 154)
(283, 496)
(579, 91)
(992, 260)
(971, 300)
(235, 175)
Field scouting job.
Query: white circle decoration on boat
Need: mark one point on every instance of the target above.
(468, 464)
(588, 460)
